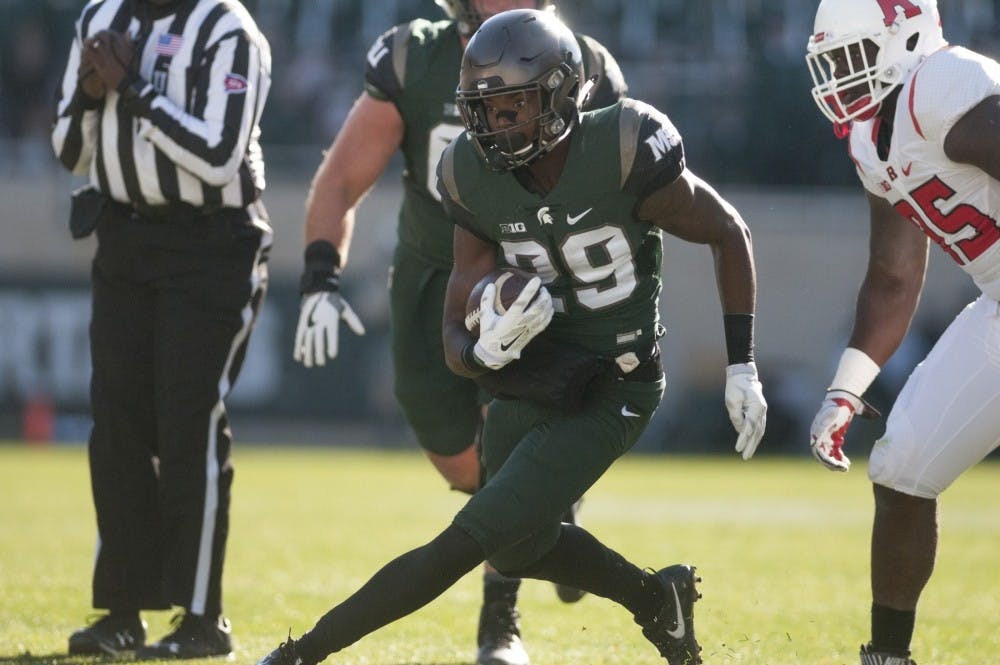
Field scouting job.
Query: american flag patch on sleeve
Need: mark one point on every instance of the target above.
(168, 44)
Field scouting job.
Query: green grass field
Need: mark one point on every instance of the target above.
(782, 546)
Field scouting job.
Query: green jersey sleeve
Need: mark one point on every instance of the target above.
(414, 66)
(385, 68)
(451, 200)
(652, 150)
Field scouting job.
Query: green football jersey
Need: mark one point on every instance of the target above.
(600, 263)
(416, 67)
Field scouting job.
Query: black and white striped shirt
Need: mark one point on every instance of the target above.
(188, 130)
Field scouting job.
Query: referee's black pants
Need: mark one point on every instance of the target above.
(174, 301)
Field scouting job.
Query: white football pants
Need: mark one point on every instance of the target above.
(947, 416)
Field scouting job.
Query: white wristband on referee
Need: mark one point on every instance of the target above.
(855, 372)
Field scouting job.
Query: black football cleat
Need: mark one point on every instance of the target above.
(672, 629)
(568, 594)
(871, 657)
(193, 636)
(287, 653)
(499, 637)
(111, 634)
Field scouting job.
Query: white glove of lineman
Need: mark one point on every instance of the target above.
(503, 336)
(826, 435)
(319, 324)
(746, 405)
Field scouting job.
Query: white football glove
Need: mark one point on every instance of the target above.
(503, 336)
(826, 435)
(746, 405)
(319, 324)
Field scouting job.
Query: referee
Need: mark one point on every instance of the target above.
(159, 106)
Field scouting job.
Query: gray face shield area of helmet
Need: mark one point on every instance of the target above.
(511, 146)
(516, 141)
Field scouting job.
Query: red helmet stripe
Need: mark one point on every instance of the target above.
(913, 116)
(889, 9)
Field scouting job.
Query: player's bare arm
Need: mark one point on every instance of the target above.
(370, 135)
(890, 292)
(474, 258)
(975, 138)
(691, 210)
(359, 154)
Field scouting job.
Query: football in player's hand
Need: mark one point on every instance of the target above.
(509, 282)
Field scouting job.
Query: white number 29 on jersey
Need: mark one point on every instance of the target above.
(592, 257)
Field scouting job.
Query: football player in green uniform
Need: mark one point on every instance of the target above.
(409, 105)
(582, 199)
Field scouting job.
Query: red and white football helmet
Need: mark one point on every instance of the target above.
(850, 80)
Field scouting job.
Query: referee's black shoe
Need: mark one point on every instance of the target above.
(194, 636)
(112, 634)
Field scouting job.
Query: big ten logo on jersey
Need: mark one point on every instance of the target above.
(659, 143)
(513, 227)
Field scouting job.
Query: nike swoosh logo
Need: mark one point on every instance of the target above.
(571, 219)
(504, 347)
(678, 632)
(630, 414)
(907, 168)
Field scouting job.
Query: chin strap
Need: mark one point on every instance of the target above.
(585, 90)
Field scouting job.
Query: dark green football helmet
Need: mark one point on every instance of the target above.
(469, 19)
(526, 51)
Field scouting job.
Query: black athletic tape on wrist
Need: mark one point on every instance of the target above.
(322, 268)
(470, 360)
(739, 337)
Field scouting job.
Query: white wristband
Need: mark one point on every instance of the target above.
(855, 372)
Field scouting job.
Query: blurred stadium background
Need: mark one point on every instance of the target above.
(730, 73)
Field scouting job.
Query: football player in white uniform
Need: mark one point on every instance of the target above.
(922, 119)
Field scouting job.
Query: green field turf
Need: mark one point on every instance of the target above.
(782, 546)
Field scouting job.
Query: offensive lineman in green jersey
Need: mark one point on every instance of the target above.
(409, 105)
(611, 181)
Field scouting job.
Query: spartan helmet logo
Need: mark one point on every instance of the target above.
(543, 215)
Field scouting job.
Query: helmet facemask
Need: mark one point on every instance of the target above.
(863, 50)
(526, 63)
(504, 149)
(846, 80)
